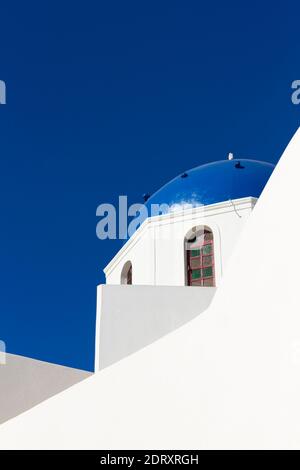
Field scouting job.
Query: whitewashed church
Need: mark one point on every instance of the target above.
(170, 268)
(203, 212)
(165, 275)
(229, 377)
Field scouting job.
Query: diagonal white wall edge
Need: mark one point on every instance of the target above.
(228, 379)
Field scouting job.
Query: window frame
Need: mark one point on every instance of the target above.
(200, 281)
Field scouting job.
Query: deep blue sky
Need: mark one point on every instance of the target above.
(109, 98)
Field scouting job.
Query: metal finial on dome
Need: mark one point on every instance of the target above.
(146, 196)
(230, 156)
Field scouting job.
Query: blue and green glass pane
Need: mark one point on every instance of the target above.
(207, 261)
(195, 263)
(207, 249)
(207, 272)
(196, 274)
(195, 253)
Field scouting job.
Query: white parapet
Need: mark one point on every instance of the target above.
(131, 317)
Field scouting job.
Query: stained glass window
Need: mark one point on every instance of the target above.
(200, 260)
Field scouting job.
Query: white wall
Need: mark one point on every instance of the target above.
(230, 378)
(131, 317)
(156, 250)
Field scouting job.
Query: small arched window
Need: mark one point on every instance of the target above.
(126, 275)
(200, 265)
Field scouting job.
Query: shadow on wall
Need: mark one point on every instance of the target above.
(26, 382)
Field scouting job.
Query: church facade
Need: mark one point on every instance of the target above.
(190, 241)
(168, 271)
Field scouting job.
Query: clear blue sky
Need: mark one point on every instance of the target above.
(109, 98)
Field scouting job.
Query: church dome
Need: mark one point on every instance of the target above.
(214, 182)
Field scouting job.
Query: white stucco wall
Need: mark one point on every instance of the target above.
(131, 317)
(156, 250)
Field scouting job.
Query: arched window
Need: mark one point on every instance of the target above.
(200, 266)
(126, 275)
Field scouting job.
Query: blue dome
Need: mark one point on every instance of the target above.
(214, 182)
